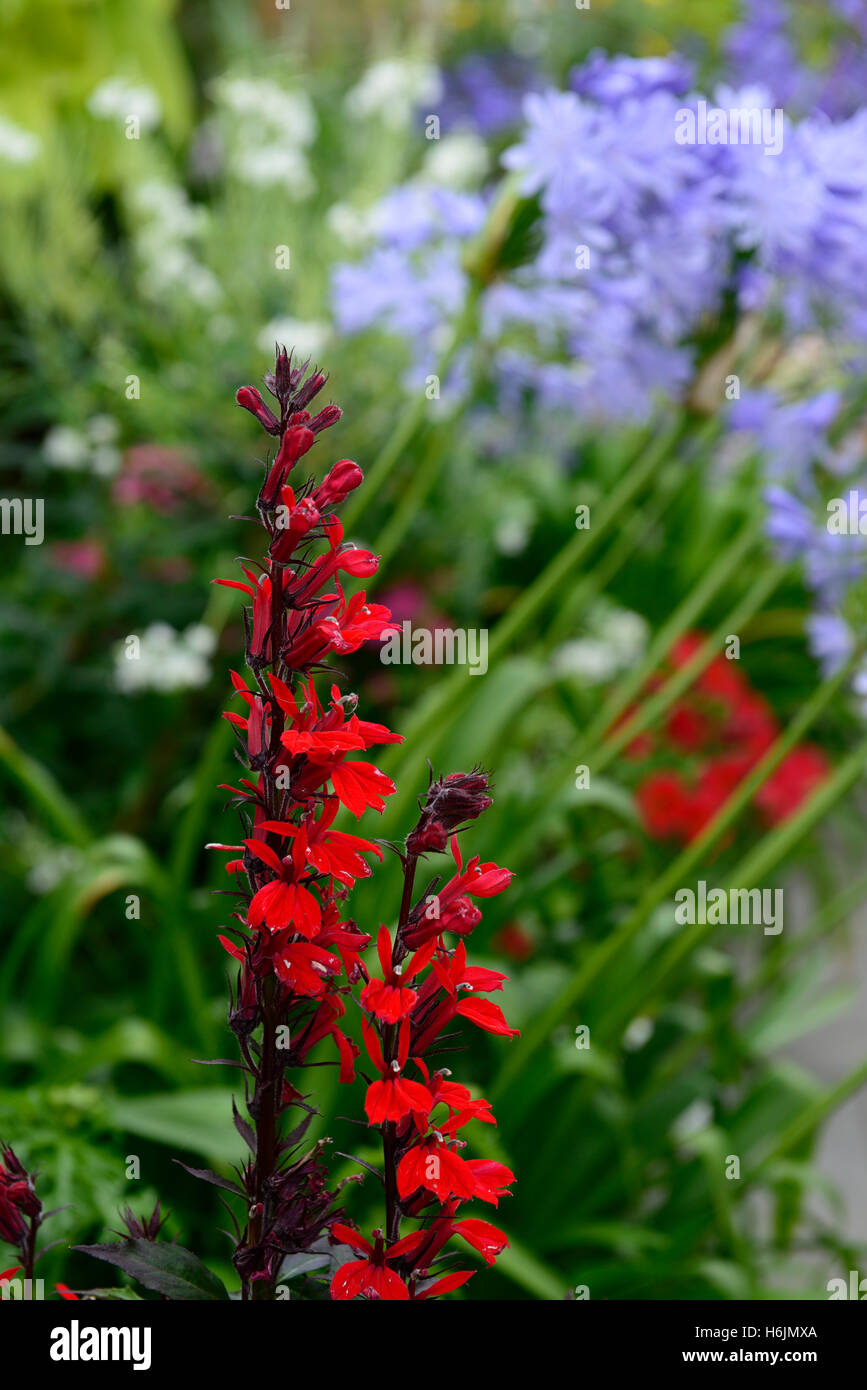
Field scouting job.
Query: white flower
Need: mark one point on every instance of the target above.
(275, 164)
(511, 535)
(393, 89)
(696, 1117)
(201, 639)
(102, 429)
(459, 161)
(627, 632)
(105, 461)
(265, 106)
(117, 99)
(590, 658)
(17, 146)
(93, 447)
(270, 129)
(352, 226)
(307, 338)
(167, 660)
(616, 641)
(169, 210)
(47, 873)
(65, 447)
(170, 224)
(638, 1033)
(201, 284)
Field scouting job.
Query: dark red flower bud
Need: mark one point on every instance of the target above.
(13, 1228)
(343, 478)
(450, 801)
(288, 385)
(279, 382)
(249, 398)
(17, 1198)
(326, 418)
(146, 1228)
(312, 386)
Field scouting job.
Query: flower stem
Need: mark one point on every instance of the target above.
(265, 1111)
(409, 422)
(389, 1047)
(683, 618)
(421, 729)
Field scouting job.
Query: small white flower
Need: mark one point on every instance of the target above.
(696, 1117)
(307, 338)
(65, 447)
(393, 89)
(167, 660)
(352, 226)
(105, 460)
(170, 225)
(590, 658)
(458, 161)
(201, 639)
(273, 164)
(616, 641)
(265, 106)
(627, 632)
(511, 535)
(102, 429)
(638, 1033)
(17, 145)
(169, 210)
(50, 871)
(117, 99)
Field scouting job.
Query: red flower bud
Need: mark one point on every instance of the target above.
(327, 417)
(295, 442)
(249, 398)
(343, 478)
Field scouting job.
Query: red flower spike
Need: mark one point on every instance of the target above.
(298, 955)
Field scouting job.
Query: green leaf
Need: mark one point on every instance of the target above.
(195, 1121)
(531, 1274)
(170, 1270)
(117, 1295)
(789, 1016)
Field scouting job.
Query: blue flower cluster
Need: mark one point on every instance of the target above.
(662, 213)
(815, 482)
(763, 48)
(643, 239)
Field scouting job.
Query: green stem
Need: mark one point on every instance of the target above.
(819, 925)
(455, 689)
(657, 705)
(681, 620)
(809, 1119)
(408, 424)
(44, 791)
